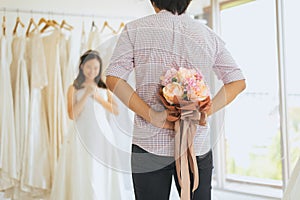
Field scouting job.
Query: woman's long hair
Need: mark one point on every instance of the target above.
(89, 55)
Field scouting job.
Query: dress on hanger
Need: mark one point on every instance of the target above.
(106, 46)
(86, 168)
(83, 41)
(35, 176)
(20, 91)
(67, 66)
(71, 70)
(55, 101)
(65, 58)
(8, 148)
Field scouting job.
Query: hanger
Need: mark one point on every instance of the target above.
(66, 26)
(93, 25)
(31, 22)
(108, 26)
(18, 21)
(83, 31)
(55, 22)
(4, 25)
(122, 25)
(48, 23)
(42, 20)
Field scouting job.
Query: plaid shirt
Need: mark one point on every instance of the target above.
(150, 46)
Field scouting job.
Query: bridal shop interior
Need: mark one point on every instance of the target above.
(255, 140)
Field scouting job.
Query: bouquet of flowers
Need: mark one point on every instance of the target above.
(186, 84)
(184, 90)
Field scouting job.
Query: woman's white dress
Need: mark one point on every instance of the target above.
(36, 174)
(20, 91)
(66, 61)
(54, 97)
(8, 147)
(87, 163)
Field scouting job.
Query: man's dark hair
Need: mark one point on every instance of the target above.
(174, 6)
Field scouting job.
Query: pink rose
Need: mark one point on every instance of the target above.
(171, 90)
(184, 74)
(199, 93)
(169, 76)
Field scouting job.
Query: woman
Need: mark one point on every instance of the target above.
(86, 166)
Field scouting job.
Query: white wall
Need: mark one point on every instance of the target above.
(134, 8)
(114, 11)
(115, 8)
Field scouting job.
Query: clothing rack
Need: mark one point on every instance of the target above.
(41, 12)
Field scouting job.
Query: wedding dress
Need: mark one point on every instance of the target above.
(20, 91)
(8, 147)
(88, 161)
(83, 41)
(54, 95)
(66, 61)
(35, 176)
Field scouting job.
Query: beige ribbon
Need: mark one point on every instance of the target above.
(185, 131)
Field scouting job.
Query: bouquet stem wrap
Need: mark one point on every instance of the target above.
(185, 131)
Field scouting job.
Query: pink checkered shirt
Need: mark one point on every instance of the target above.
(150, 46)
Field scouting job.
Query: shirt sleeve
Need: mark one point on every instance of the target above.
(122, 61)
(225, 66)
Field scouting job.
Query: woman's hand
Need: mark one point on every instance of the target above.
(90, 90)
(106, 104)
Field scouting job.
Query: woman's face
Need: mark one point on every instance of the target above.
(91, 69)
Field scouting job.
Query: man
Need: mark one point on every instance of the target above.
(149, 45)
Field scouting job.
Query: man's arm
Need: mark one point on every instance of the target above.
(226, 95)
(130, 98)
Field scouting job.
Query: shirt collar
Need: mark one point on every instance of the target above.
(170, 13)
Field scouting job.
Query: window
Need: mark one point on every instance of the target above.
(252, 131)
(249, 151)
(292, 44)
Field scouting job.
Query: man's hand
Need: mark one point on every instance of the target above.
(205, 105)
(204, 109)
(159, 119)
